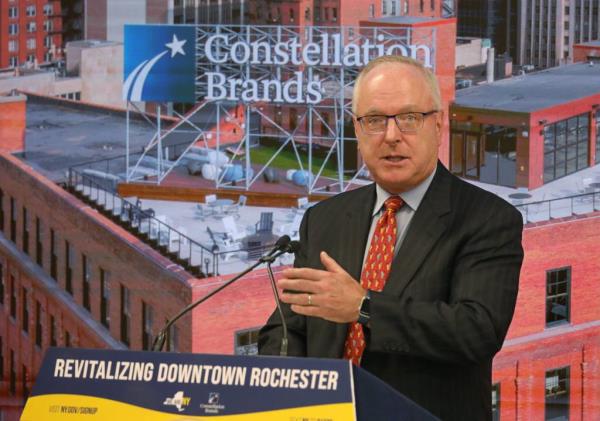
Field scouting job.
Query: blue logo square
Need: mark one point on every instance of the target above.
(160, 63)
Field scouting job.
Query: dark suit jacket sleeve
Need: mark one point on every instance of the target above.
(469, 326)
(269, 338)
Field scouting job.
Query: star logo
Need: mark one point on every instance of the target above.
(176, 46)
(159, 63)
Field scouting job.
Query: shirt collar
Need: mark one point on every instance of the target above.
(412, 197)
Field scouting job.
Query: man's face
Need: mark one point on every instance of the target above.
(398, 161)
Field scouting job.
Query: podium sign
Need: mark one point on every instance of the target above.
(82, 384)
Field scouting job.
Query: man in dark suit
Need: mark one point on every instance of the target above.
(440, 258)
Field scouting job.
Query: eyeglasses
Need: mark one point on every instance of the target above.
(406, 122)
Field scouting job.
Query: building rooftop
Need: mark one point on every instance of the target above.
(404, 19)
(595, 43)
(534, 91)
(60, 135)
(91, 43)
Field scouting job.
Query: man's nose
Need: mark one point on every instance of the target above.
(392, 132)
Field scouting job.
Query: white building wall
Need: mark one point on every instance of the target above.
(121, 12)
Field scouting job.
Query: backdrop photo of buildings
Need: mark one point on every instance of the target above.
(116, 212)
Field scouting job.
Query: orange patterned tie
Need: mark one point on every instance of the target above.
(375, 271)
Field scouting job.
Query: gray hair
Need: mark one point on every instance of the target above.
(430, 78)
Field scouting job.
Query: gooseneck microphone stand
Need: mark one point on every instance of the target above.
(292, 248)
(282, 246)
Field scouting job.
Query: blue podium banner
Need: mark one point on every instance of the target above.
(80, 384)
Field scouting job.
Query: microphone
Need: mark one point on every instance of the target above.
(287, 247)
(282, 245)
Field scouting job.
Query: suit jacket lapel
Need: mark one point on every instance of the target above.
(425, 229)
(356, 223)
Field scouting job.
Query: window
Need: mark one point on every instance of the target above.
(558, 288)
(2, 208)
(293, 119)
(39, 245)
(371, 10)
(38, 323)
(69, 267)
(13, 62)
(147, 321)
(557, 394)
(13, 220)
(125, 316)
(1, 284)
(566, 147)
(334, 14)
(25, 233)
(13, 45)
(31, 26)
(496, 402)
(597, 154)
(12, 390)
(25, 388)
(432, 5)
(31, 58)
(13, 298)
(13, 29)
(25, 309)
(104, 298)
(422, 6)
(67, 339)
(86, 279)
(31, 44)
(1, 358)
(291, 14)
(53, 256)
(246, 342)
(47, 9)
(384, 7)
(13, 12)
(173, 339)
(30, 11)
(48, 26)
(52, 331)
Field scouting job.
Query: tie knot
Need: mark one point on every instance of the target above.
(393, 204)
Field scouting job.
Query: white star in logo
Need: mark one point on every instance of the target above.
(176, 46)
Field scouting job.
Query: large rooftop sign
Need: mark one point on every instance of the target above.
(272, 64)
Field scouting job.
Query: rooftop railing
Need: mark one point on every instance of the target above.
(97, 189)
(563, 207)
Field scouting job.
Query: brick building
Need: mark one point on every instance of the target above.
(527, 131)
(69, 276)
(31, 32)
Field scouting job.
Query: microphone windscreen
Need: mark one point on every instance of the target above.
(282, 241)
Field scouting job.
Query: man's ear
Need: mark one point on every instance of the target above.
(356, 129)
(439, 125)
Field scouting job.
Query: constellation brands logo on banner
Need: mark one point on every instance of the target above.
(212, 406)
(298, 88)
(160, 63)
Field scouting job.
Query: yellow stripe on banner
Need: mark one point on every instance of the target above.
(86, 408)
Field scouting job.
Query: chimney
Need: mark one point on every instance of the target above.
(490, 65)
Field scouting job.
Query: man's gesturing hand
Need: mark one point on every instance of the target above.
(331, 294)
